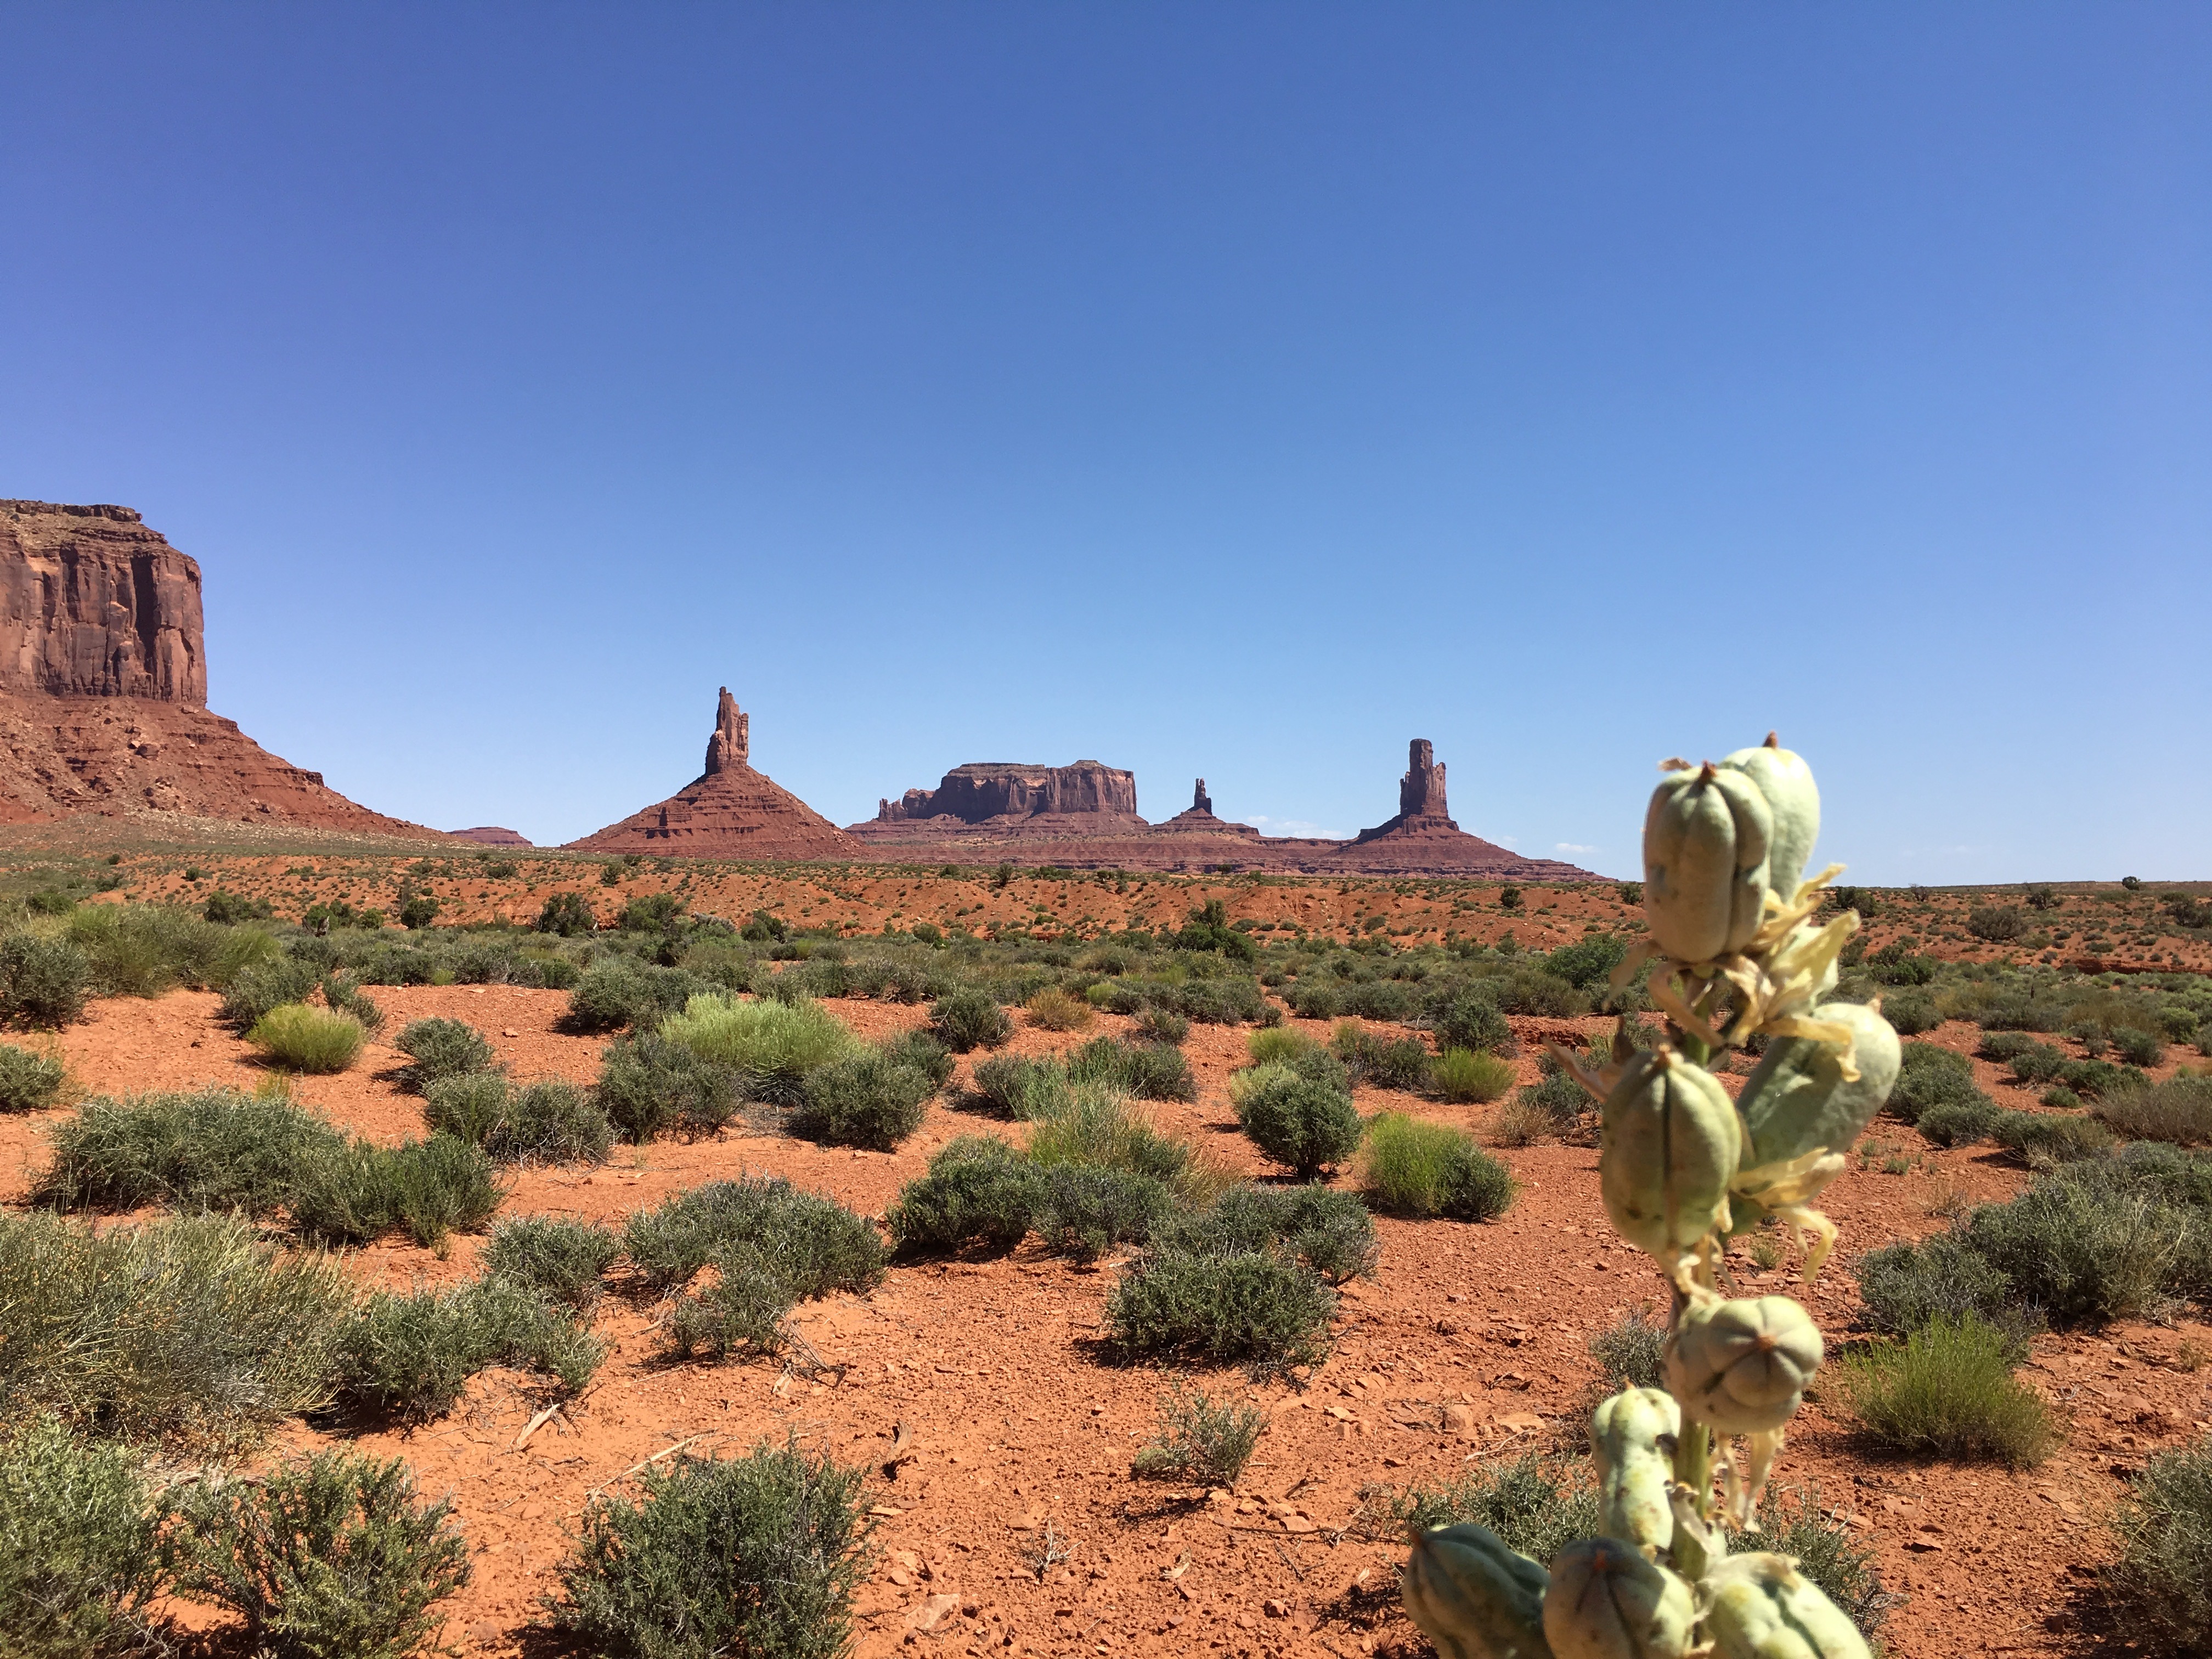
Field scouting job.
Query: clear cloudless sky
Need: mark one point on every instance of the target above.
(1226, 389)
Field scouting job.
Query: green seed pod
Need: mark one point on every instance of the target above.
(1705, 862)
(1633, 1432)
(1797, 1101)
(1742, 1365)
(1607, 1601)
(1761, 1607)
(1668, 1147)
(1794, 800)
(1474, 1598)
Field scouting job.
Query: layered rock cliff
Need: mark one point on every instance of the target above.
(728, 812)
(984, 790)
(103, 686)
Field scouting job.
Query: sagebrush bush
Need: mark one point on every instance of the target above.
(2041, 1138)
(650, 1085)
(1385, 1062)
(1473, 1023)
(1148, 1071)
(2084, 1257)
(771, 1045)
(351, 1194)
(1305, 1125)
(440, 1048)
(759, 1556)
(79, 1547)
(1084, 1213)
(925, 1053)
(1467, 1077)
(868, 1097)
(1416, 1169)
(332, 1558)
(616, 992)
(1536, 1505)
(562, 1261)
(1280, 1045)
(1948, 1391)
(1793, 1521)
(214, 1148)
(1911, 1012)
(29, 1082)
(565, 914)
(1629, 1350)
(2160, 1590)
(978, 1190)
(1158, 1024)
(411, 1356)
(1552, 1105)
(1020, 1087)
(1053, 1010)
(968, 1019)
(550, 1122)
(1199, 1440)
(828, 1246)
(1099, 1128)
(1907, 1286)
(1330, 1233)
(1960, 1123)
(303, 1039)
(1254, 1306)
(2178, 1111)
(43, 982)
(1931, 1076)
(189, 1331)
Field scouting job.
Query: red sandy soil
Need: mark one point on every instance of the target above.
(1468, 1345)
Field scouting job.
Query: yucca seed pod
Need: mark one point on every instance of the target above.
(1794, 801)
(1741, 1366)
(1632, 1434)
(1760, 1606)
(1607, 1601)
(1705, 840)
(1798, 1101)
(1474, 1598)
(1668, 1145)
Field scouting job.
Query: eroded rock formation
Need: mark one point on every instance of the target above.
(982, 790)
(490, 835)
(728, 812)
(103, 686)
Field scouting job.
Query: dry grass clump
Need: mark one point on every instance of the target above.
(2178, 1111)
(1948, 1390)
(1469, 1077)
(1053, 1010)
(303, 1039)
(1413, 1168)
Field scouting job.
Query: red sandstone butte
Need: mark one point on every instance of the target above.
(103, 686)
(728, 812)
(490, 835)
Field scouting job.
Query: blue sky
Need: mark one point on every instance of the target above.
(1234, 389)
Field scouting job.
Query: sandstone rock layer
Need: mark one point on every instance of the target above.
(729, 812)
(490, 835)
(103, 686)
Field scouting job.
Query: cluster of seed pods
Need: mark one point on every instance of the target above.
(1739, 955)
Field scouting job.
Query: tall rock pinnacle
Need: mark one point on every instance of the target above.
(732, 739)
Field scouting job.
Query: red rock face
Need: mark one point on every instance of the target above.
(490, 835)
(983, 790)
(728, 812)
(95, 605)
(103, 686)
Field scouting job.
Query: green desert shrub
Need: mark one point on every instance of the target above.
(1158, 1024)
(650, 1085)
(925, 1053)
(968, 1019)
(1256, 1307)
(868, 1097)
(2178, 1111)
(1199, 1440)
(548, 1121)
(560, 1259)
(1948, 1391)
(322, 1558)
(1629, 1351)
(1906, 1287)
(978, 1191)
(303, 1039)
(1146, 1070)
(1087, 1212)
(1053, 1010)
(1471, 1022)
(80, 1561)
(341, 993)
(1280, 1044)
(440, 1048)
(1960, 1123)
(1913, 1012)
(1099, 1128)
(1020, 1087)
(263, 987)
(351, 1194)
(1534, 1503)
(1468, 1077)
(1328, 1231)
(43, 982)
(1385, 1062)
(616, 992)
(2160, 1589)
(771, 1045)
(1793, 1521)
(410, 1357)
(760, 1555)
(2082, 1256)
(212, 1149)
(1304, 1124)
(832, 1248)
(1930, 1076)
(2048, 1137)
(189, 1331)
(565, 914)
(28, 1082)
(1552, 1105)
(1416, 1169)
(2138, 1047)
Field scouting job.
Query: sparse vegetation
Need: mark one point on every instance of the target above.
(1948, 1391)
(29, 1082)
(411, 1356)
(824, 1245)
(1053, 1010)
(1413, 1168)
(1252, 1306)
(968, 1019)
(1083, 1212)
(651, 1085)
(548, 1121)
(1328, 1231)
(759, 1555)
(2160, 1590)
(1303, 1123)
(2178, 1111)
(979, 1191)
(440, 1048)
(1467, 1077)
(560, 1259)
(80, 1559)
(1629, 1350)
(868, 1097)
(1200, 1440)
(303, 1039)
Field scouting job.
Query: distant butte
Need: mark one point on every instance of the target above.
(728, 812)
(1084, 817)
(103, 686)
(490, 835)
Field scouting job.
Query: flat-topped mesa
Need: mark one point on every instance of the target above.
(982, 791)
(93, 603)
(729, 810)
